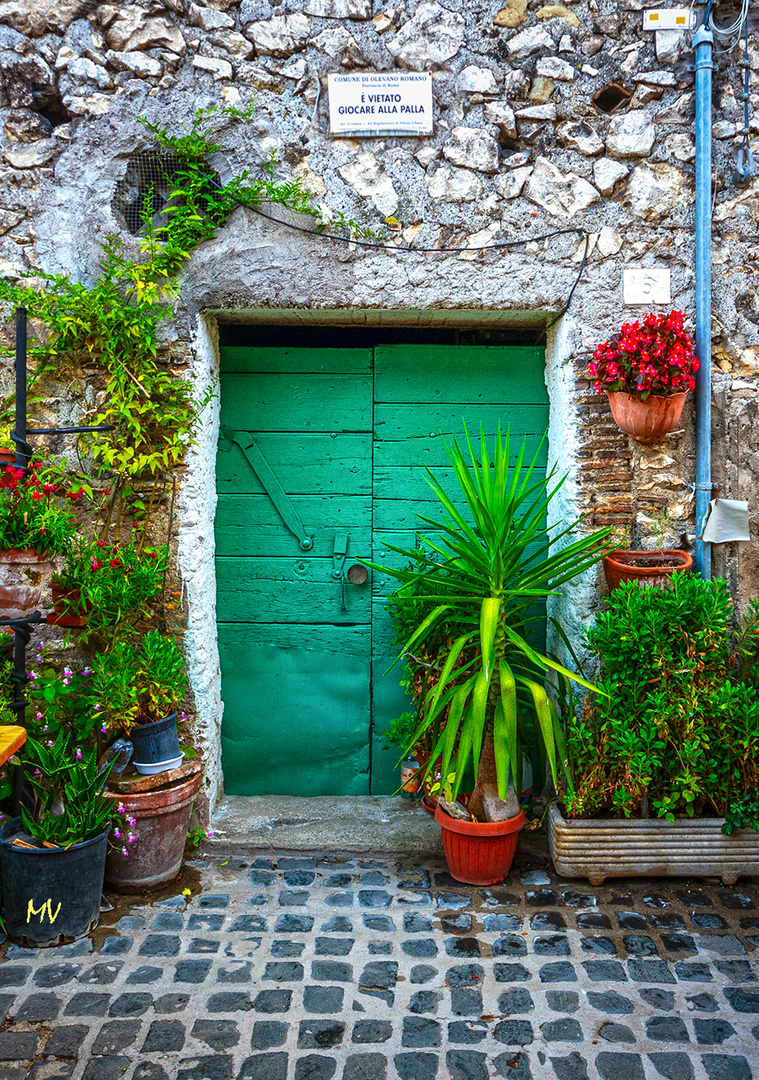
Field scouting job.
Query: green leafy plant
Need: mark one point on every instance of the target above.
(742, 814)
(134, 685)
(677, 729)
(195, 837)
(62, 701)
(400, 731)
(69, 803)
(110, 584)
(111, 329)
(482, 575)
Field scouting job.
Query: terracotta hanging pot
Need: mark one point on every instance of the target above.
(23, 573)
(651, 568)
(646, 421)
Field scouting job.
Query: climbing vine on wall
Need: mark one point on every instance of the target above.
(111, 330)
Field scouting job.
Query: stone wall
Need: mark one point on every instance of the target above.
(519, 149)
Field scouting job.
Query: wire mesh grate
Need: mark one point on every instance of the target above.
(146, 188)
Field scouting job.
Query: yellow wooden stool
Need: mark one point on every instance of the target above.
(12, 738)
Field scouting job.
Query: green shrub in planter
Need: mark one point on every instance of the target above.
(677, 733)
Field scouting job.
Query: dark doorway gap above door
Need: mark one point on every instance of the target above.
(369, 337)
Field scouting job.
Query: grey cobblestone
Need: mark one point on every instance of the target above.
(393, 972)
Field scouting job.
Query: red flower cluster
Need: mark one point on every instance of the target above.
(653, 358)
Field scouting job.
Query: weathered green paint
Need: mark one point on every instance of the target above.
(346, 432)
(285, 729)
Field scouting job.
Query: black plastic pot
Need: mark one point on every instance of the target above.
(156, 742)
(51, 896)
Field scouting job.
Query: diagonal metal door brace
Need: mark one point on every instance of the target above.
(269, 482)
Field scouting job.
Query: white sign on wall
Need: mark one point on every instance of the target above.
(380, 103)
(649, 286)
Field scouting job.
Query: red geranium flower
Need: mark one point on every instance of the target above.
(653, 358)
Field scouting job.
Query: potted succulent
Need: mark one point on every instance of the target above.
(35, 523)
(475, 585)
(106, 587)
(52, 857)
(664, 762)
(646, 372)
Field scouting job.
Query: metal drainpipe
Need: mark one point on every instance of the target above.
(703, 41)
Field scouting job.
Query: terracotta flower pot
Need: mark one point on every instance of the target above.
(651, 568)
(161, 831)
(23, 573)
(646, 421)
(479, 852)
(7, 456)
(65, 614)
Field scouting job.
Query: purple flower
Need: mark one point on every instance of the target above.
(66, 682)
(209, 833)
(131, 821)
(131, 838)
(125, 851)
(79, 755)
(39, 715)
(117, 833)
(121, 809)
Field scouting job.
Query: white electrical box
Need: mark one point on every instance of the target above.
(650, 286)
(669, 19)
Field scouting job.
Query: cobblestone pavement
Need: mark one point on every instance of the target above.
(294, 968)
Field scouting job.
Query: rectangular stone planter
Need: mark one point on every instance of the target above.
(600, 848)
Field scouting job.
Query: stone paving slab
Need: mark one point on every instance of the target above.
(379, 824)
(296, 968)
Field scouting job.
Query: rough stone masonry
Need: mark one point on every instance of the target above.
(518, 149)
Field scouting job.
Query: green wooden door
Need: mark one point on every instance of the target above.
(346, 433)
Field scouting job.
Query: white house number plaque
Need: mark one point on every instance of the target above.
(380, 103)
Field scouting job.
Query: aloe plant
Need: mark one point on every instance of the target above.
(482, 577)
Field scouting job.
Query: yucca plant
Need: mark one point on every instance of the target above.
(483, 577)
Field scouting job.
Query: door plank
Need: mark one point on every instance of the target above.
(235, 358)
(297, 403)
(304, 464)
(436, 373)
(294, 590)
(418, 423)
(250, 523)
